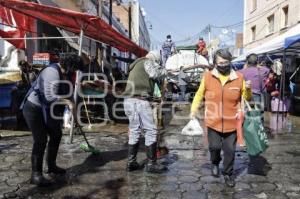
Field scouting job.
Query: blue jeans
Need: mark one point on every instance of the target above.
(164, 59)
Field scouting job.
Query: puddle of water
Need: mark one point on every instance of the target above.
(281, 125)
(277, 124)
(185, 154)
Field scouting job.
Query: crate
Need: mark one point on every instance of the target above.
(5, 95)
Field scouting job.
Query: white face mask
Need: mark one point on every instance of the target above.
(169, 39)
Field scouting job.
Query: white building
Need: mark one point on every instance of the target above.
(267, 19)
(139, 27)
(132, 16)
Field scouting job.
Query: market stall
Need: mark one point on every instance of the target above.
(84, 25)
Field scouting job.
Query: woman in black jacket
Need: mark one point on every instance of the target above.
(44, 93)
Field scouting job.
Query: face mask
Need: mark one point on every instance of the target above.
(224, 69)
(169, 39)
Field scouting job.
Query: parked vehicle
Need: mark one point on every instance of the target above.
(194, 65)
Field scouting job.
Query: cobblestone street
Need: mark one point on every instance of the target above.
(274, 175)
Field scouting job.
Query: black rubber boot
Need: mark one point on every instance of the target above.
(37, 177)
(229, 180)
(132, 164)
(215, 171)
(152, 166)
(51, 160)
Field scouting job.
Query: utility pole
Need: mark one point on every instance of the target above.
(209, 42)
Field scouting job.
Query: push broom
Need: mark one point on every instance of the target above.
(87, 147)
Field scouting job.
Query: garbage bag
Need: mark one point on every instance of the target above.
(193, 127)
(157, 92)
(254, 133)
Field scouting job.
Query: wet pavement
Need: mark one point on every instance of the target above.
(275, 174)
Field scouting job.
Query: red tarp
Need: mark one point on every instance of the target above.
(15, 19)
(72, 21)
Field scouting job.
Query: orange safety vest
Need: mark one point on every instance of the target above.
(222, 102)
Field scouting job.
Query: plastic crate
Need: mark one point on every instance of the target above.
(5, 94)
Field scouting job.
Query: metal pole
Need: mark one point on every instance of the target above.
(90, 62)
(80, 42)
(37, 38)
(130, 20)
(110, 23)
(77, 83)
(283, 79)
(110, 11)
(130, 24)
(99, 45)
(281, 90)
(209, 42)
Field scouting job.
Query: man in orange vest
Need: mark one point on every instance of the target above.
(223, 89)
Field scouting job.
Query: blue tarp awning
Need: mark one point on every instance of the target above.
(290, 41)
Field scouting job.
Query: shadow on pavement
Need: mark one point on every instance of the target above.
(112, 185)
(258, 165)
(90, 165)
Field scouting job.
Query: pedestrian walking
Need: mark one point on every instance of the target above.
(222, 88)
(258, 76)
(138, 94)
(168, 48)
(37, 105)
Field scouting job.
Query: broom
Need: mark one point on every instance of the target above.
(86, 146)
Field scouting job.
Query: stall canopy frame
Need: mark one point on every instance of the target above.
(277, 45)
(92, 26)
(290, 43)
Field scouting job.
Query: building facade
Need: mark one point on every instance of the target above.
(141, 37)
(267, 19)
(132, 16)
(239, 47)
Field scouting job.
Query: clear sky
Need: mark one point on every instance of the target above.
(185, 19)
